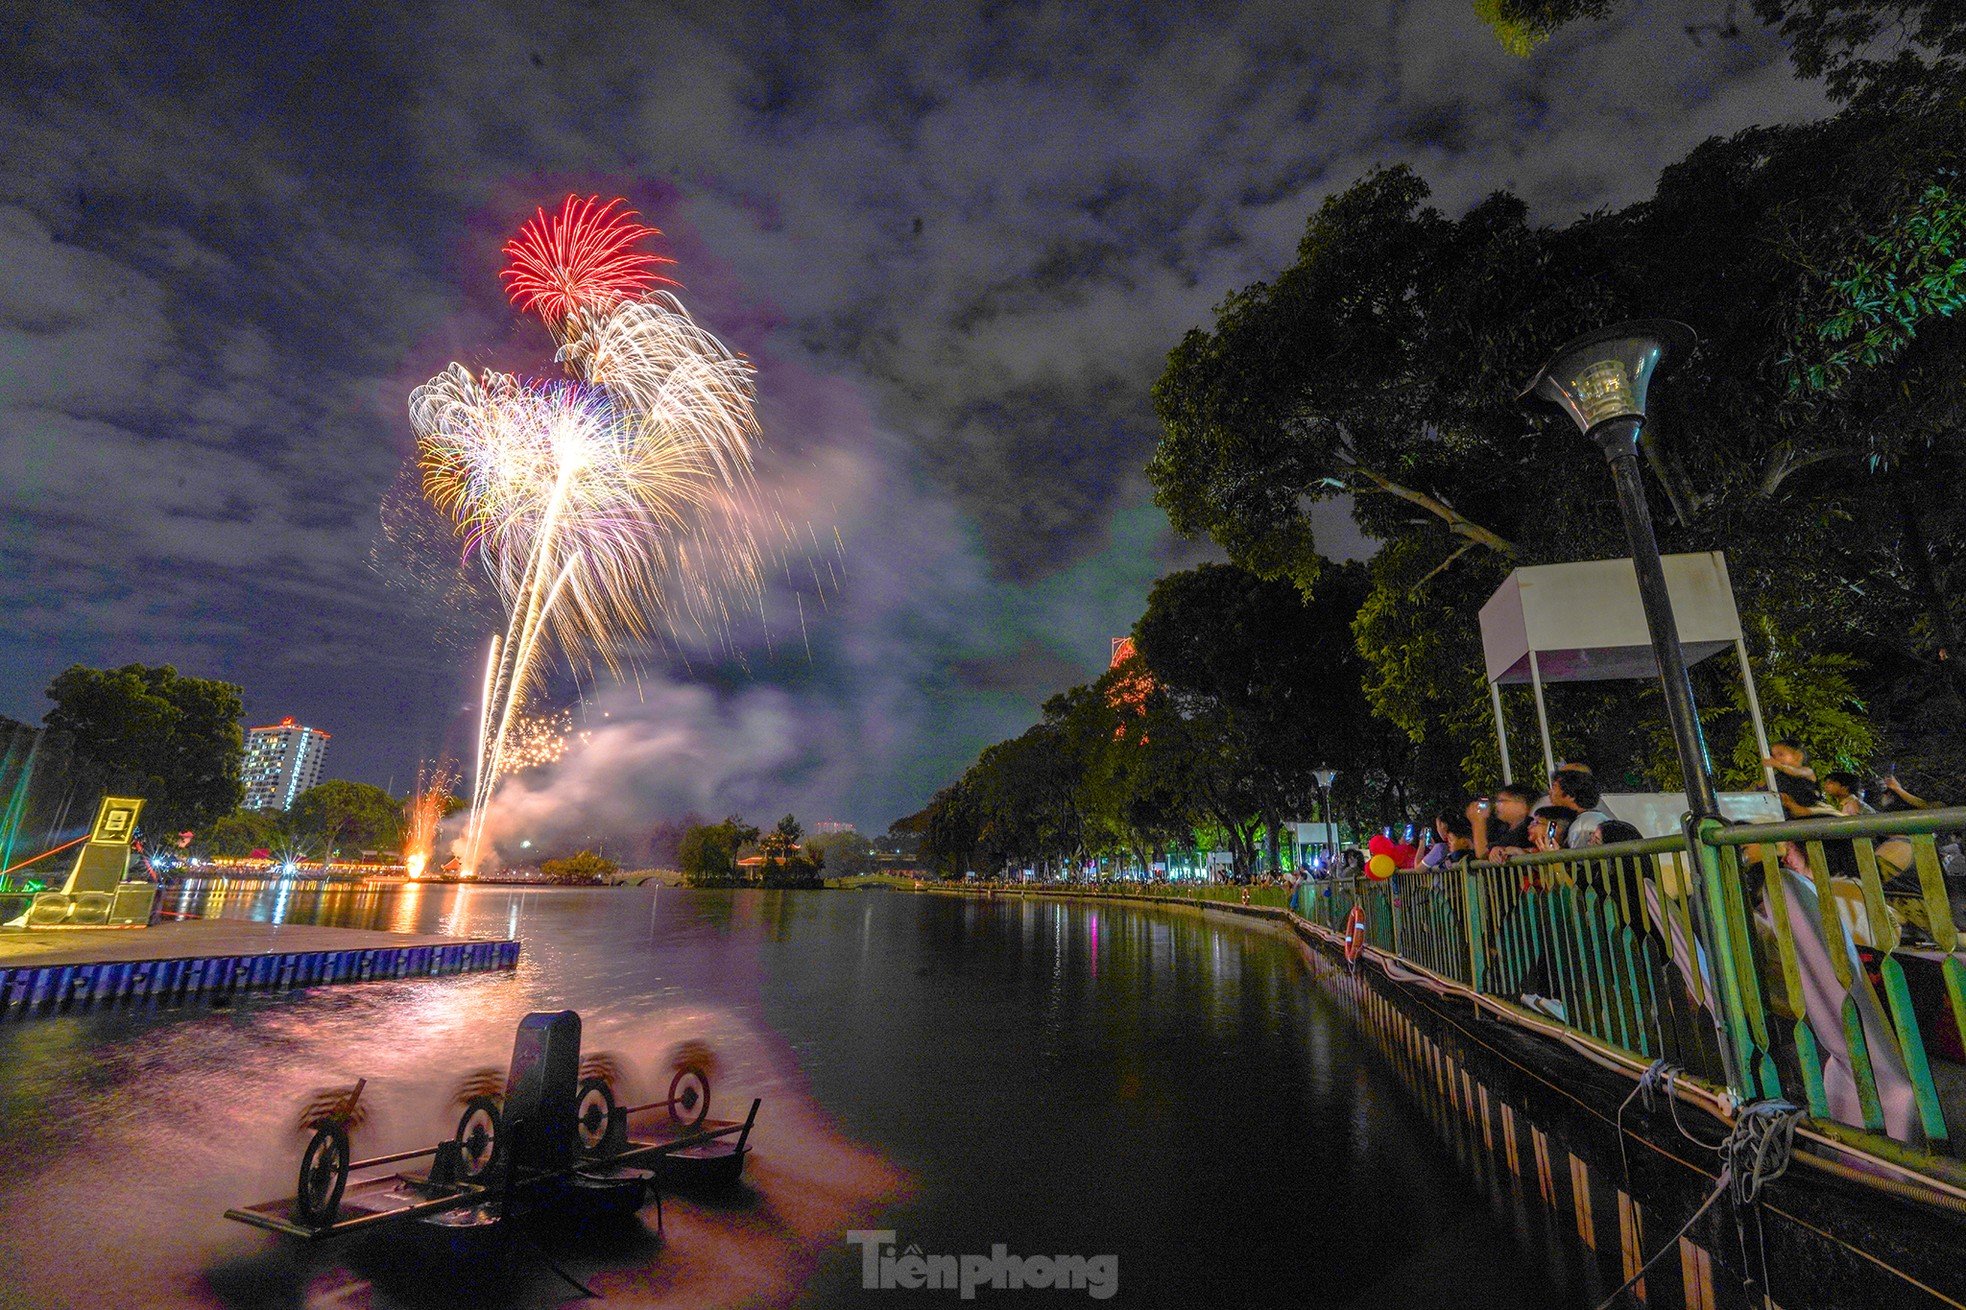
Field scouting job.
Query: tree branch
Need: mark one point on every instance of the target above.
(1783, 463)
(1686, 503)
(1457, 522)
(1444, 565)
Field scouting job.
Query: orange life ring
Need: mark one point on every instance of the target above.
(1354, 934)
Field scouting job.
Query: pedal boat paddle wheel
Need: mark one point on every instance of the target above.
(549, 1143)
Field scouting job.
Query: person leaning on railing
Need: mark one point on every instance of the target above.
(1456, 840)
(1576, 791)
(1549, 828)
(1501, 825)
(1546, 828)
(1803, 797)
(1838, 795)
(1897, 859)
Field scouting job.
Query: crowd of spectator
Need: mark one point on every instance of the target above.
(1515, 820)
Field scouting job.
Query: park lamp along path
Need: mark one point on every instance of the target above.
(1601, 380)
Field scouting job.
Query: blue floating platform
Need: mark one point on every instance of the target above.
(45, 972)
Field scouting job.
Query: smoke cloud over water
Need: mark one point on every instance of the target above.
(811, 702)
(672, 749)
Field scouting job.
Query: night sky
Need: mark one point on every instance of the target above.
(957, 248)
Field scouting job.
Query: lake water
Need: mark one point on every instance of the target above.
(1165, 1088)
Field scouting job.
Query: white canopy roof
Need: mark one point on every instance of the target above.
(1585, 623)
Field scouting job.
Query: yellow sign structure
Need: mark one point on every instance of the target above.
(98, 893)
(116, 821)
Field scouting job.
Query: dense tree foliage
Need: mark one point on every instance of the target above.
(1814, 434)
(708, 852)
(580, 867)
(1209, 736)
(842, 854)
(242, 832)
(1879, 51)
(345, 817)
(153, 732)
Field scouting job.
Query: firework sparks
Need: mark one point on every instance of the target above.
(604, 504)
(537, 740)
(582, 255)
(422, 814)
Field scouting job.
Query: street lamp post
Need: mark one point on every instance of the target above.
(1324, 778)
(1600, 381)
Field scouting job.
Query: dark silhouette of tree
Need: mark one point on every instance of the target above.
(172, 739)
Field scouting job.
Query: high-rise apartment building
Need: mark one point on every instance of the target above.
(282, 761)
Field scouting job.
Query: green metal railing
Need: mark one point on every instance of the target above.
(1817, 960)
(1588, 938)
(1784, 945)
(1895, 1014)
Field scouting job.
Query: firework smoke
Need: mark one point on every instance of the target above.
(603, 505)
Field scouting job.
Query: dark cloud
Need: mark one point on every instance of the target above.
(1029, 672)
(958, 244)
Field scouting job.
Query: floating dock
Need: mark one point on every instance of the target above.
(215, 959)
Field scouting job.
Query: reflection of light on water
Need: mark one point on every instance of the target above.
(281, 896)
(403, 913)
(448, 920)
(200, 1117)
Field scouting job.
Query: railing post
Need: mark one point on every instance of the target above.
(1737, 988)
(1390, 890)
(1477, 925)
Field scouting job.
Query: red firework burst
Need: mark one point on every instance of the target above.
(583, 253)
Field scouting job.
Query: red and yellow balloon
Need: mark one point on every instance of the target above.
(1385, 857)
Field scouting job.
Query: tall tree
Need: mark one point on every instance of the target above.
(950, 827)
(1268, 688)
(843, 854)
(708, 852)
(242, 832)
(338, 811)
(1141, 782)
(172, 739)
(1814, 435)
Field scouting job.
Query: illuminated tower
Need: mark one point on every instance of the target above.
(282, 761)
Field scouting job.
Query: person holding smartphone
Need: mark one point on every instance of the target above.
(1501, 824)
(1549, 827)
